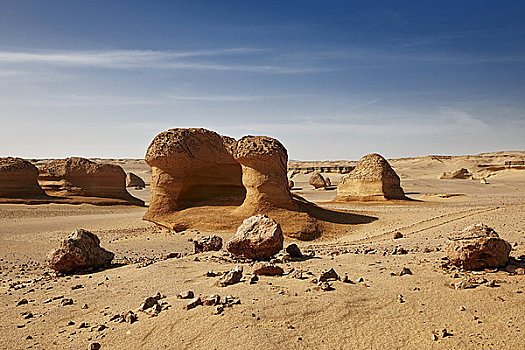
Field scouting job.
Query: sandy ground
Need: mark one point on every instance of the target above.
(275, 312)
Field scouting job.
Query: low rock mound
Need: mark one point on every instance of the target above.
(133, 180)
(259, 238)
(82, 177)
(457, 174)
(318, 181)
(372, 179)
(80, 251)
(18, 179)
(476, 247)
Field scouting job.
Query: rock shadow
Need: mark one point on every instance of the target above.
(333, 216)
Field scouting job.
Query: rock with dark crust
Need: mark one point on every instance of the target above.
(207, 244)
(81, 251)
(267, 269)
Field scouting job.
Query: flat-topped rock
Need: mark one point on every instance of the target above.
(18, 179)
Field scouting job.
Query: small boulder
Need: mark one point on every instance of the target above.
(328, 275)
(405, 271)
(186, 295)
(193, 303)
(294, 251)
(476, 247)
(258, 237)
(80, 251)
(207, 244)
(291, 184)
(398, 235)
(212, 300)
(464, 283)
(317, 180)
(233, 276)
(267, 269)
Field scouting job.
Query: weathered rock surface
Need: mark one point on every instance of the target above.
(294, 251)
(207, 244)
(231, 277)
(80, 251)
(18, 179)
(372, 179)
(133, 180)
(318, 181)
(476, 247)
(267, 269)
(192, 167)
(203, 180)
(457, 174)
(82, 177)
(263, 161)
(258, 237)
(328, 275)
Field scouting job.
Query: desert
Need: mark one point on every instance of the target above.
(392, 285)
(238, 175)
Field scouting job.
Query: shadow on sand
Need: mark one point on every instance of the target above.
(333, 216)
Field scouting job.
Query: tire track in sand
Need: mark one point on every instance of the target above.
(413, 228)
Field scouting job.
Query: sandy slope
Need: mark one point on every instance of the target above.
(277, 312)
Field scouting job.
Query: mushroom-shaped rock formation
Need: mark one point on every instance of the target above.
(18, 179)
(76, 176)
(192, 168)
(264, 162)
(476, 247)
(203, 180)
(133, 180)
(372, 179)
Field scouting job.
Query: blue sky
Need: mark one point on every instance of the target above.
(330, 79)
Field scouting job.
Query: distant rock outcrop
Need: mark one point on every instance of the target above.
(133, 180)
(318, 181)
(18, 179)
(259, 238)
(372, 179)
(80, 251)
(457, 174)
(476, 247)
(82, 177)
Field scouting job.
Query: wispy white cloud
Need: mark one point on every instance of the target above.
(149, 59)
(229, 98)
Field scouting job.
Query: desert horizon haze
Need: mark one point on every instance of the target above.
(331, 80)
